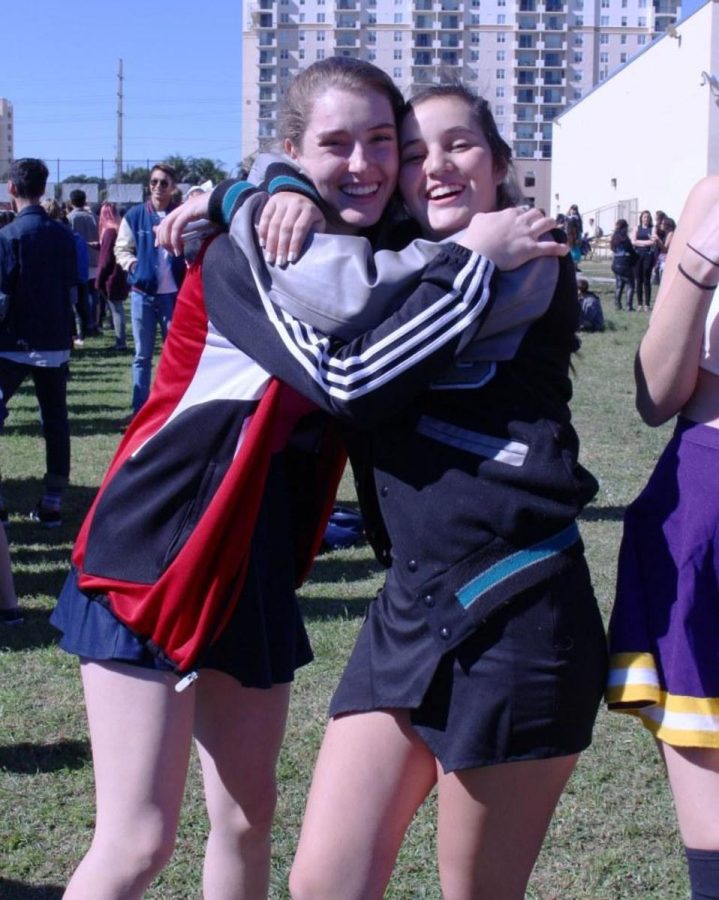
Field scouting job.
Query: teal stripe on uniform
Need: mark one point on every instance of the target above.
(231, 197)
(517, 563)
(296, 184)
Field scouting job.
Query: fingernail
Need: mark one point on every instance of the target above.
(281, 261)
(292, 256)
(262, 243)
(269, 257)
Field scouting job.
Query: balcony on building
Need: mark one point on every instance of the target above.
(527, 6)
(526, 41)
(553, 60)
(525, 95)
(267, 58)
(524, 114)
(450, 41)
(555, 23)
(555, 78)
(423, 23)
(267, 39)
(346, 20)
(423, 76)
(526, 60)
(523, 132)
(524, 150)
(524, 78)
(264, 20)
(424, 39)
(423, 58)
(347, 38)
(555, 6)
(450, 5)
(450, 23)
(423, 6)
(449, 58)
(527, 22)
(346, 4)
(554, 41)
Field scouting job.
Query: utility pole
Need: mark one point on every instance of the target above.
(118, 158)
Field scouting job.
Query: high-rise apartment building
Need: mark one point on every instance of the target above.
(530, 58)
(6, 136)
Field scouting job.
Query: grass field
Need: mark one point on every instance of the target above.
(613, 836)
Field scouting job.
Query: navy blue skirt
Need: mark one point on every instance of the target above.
(264, 641)
(526, 685)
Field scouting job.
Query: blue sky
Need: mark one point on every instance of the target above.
(182, 75)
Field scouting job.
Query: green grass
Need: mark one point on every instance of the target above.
(613, 835)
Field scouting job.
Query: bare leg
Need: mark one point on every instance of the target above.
(372, 774)
(694, 778)
(492, 822)
(141, 732)
(239, 733)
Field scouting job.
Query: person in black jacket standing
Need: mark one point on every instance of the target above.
(37, 274)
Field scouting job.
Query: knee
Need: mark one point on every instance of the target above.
(305, 882)
(139, 853)
(249, 819)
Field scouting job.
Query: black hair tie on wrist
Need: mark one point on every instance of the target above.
(699, 253)
(703, 287)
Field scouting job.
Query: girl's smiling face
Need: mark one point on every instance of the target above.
(447, 169)
(349, 150)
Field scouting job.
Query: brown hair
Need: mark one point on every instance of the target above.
(508, 192)
(343, 72)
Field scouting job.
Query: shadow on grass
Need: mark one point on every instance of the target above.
(29, 759)
(603, 513)
(35, 630)
(319, 609)
(16, 890)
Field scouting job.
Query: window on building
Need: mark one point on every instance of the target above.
(284, 72)
(604, 21)
(501, 55)
(398, 37)
(396, 72)
(498, 111)
(284, 18)
(398, 18)
(398, 54)
(499, 74)
(501, 19)
(474, 55)
(641, 40)
(622, 38)
(622, 57)
(474, 37)
(624, 21)
(474, 19)
(603, 38)
(499, 91)
(371, 37)
(577, 75)
(320, 54)
(604, 57)
(284, 54)
(320, 36)
(578, 57)
(501, 37)
(577, 94)
(578, 40)
(320, 18)
(371, 55)
(529, 179)
(579, 21)
(642, 21)
(301, 18)
(301, 35)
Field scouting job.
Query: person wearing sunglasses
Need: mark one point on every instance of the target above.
(154, 275)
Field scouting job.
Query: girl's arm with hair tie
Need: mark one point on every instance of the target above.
(667, 362)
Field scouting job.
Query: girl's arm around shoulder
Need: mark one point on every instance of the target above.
(667, 362)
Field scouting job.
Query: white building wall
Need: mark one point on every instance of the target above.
(645, 136)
